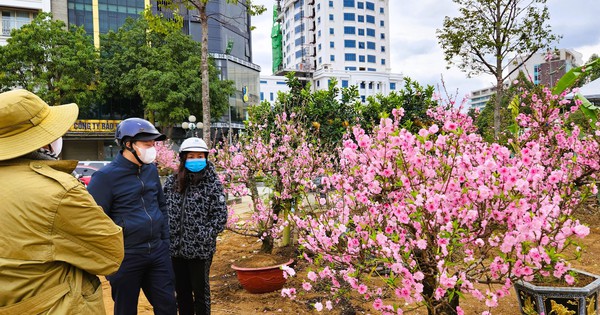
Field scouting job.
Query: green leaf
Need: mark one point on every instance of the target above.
(571, 77)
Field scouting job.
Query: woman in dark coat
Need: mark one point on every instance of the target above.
(197, 214)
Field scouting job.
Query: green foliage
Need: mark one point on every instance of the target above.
(485, 119)
(328, 114)
(57, 63)
(489, 32)
(152, 61)
(414, 99)
(593, 73)
(320, 112)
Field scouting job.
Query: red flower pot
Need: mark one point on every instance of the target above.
(261, 279)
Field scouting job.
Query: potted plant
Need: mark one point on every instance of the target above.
(262, 273)
(286, 161)
(549, 296)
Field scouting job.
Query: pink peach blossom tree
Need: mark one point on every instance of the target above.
(287, 158)
(424, 219)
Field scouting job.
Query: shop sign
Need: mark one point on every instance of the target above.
(94, 125)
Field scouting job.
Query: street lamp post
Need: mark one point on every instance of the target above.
(191, 125)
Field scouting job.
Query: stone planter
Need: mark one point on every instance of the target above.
(261, 279)
(536, 299)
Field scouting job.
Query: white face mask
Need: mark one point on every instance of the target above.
(147, 155)
(57, 146)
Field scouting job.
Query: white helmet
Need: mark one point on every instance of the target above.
(193, 145)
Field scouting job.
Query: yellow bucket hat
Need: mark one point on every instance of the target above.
(27, 123)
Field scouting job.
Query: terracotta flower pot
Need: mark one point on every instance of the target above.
(261, 279)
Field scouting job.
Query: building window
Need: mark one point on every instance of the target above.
(360, 5)
(350, 30)
(350, 57)
(371, 45)
(382, 35)
(320, 60)
(271, 96)
(370, 19)
(331, 31)
(319, 47)
(349, 43)
(262, 96)
(361, 45)
(350, 68)
(319, 33)
(349, 3)
(371, 59)
(331, 17)
(392, 86)
(362, 85)
(382, 48)
(383, 62)
(349, 17)
(361, 32)
(361, 58)
(344, 83)
(12, 20)
(381, 10)
(370, 32)
(362, 98)
(331, 4)
(370, 6)
(332, 57)
(381, 23)
(331, 44)
(360, 18)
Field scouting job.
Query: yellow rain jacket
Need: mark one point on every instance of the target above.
(54, 240)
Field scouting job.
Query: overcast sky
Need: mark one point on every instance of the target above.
(416, 53)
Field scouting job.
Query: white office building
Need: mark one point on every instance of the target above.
(343, 39)
(17, 13)
(542, 68)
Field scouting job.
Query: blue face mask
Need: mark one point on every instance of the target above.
(195, 165)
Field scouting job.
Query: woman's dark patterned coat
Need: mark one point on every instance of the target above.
(197, 215)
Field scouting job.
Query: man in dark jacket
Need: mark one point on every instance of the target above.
(129, 191)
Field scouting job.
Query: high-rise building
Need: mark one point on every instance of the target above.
(345, 39)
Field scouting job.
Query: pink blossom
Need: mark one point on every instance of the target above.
(319, 306)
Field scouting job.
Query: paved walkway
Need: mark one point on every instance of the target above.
(244, 205)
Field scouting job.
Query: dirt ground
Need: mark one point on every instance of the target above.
(230, 298)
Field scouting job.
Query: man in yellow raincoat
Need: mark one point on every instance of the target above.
(54, 239)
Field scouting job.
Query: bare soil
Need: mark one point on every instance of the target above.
(228, 297)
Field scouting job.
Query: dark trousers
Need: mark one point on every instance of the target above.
(153, 273)
(192, 286)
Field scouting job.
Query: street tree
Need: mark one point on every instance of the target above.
(151, 60)
(488, 35)
(57, 63)
(203, 17)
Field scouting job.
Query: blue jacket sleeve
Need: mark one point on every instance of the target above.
(162, 204)
(100, 188)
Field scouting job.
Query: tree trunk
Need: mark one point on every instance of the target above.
(497, 106)
(204, 73)
(434, 307)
